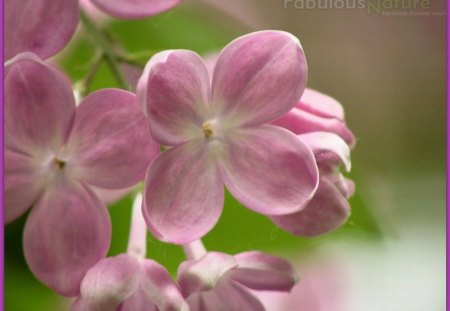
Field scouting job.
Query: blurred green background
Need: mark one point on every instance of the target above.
(389, 73)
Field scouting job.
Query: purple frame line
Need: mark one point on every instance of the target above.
(448, 151)
(2, 234)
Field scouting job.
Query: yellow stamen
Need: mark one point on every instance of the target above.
(207, 130)
(59, 164)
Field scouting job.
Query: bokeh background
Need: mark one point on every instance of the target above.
(388, 71)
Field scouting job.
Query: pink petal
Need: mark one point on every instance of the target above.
(270, 170)
(259, 77)
(320, 105)
(204, 274)
(39, 106)
(67, 232)
(344, 185)
(135, 9)
(109, 196)
(23, 183)
(227, 296)
(157, 284)
(110, 282)
(301, 121)
(80, 305)
(184, 193)
(139, 301)
(260, 271)
(329, 149)
(110, 144)
(205, 301)
(234, 296)
(174, 90)
(40, 26)
(327, 211)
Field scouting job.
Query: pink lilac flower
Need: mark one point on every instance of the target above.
(129, 282)
(218, 135)
(320, 119)
(318, 116)
(44, 27)
(213, 281)
(317, 112)
(40, 26)
(55, 154)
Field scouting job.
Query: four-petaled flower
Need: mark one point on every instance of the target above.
(220, 282)
(56, 154)
(130, 282)
(219, 134)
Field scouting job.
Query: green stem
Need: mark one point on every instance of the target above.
(85, 84)
(101, 39)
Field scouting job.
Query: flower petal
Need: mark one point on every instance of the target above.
(260, 271)
(259, 77)
(184, 193)
(23, 183)
(110, 144)
(270, 170)
(109, 196)
(327, 211)
(80, 304)
(40, 26)
(157, 284)
(67, 232)
(203, 274)
(329, 149)
(110, 282)
(39, 106)
(174, 91)
(320, 105)
(228, 295)
(234, 296)
(205, 301)
(135, 9)
(300, 121)
(344, 185)
(139, 301)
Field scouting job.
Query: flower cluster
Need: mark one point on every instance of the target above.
(246, 123)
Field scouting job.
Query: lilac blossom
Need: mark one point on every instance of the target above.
(217, 135)
(43, 27)
(56, 155)
(319, 121)
(317, 112)
(221, 282)
(130, 282)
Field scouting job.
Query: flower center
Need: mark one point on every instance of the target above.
(59, 164)
(207, 130)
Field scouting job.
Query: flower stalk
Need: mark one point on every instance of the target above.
(194, 250)
(100, 37)
(137, 241)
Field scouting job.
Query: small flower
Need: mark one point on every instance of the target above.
(317, 112)
(129, 282)
(56, 155)
(43, 27)
(220, 282)
(320, 119)
(219, 136)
